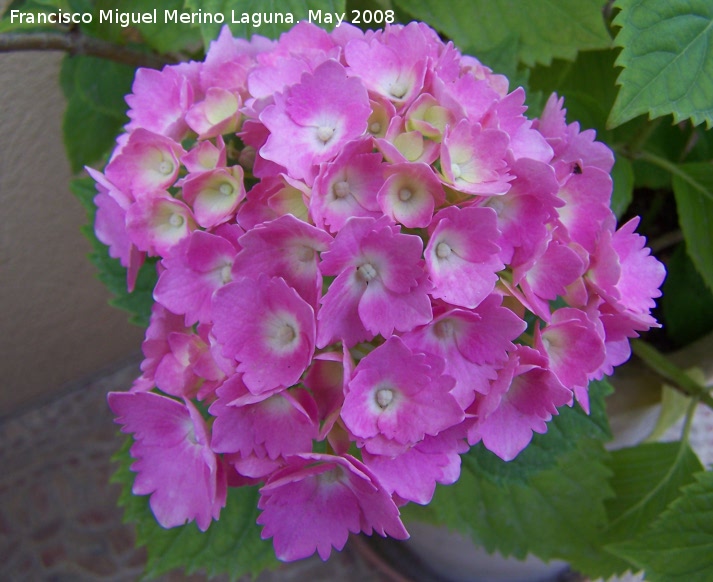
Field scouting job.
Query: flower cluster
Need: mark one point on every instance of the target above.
(369, 260)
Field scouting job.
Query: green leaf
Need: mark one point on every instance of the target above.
(587, 85)
(545, 30)
(687, 303)
(231, 545)
(548, 501)
(163, 35)
(693, 188)
(679, 546)
(623, 194)
(282, 13)
(95, 113)
(674, 405)
(667, 55)
(647, 478)
(111, 273)
(33, 9)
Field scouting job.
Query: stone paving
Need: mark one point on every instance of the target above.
(58, 516)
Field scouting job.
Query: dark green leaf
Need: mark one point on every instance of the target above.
(231, 545)
(548, 501)
(587, 85)
(667, 55)
(111, 273)
(687, 303)
(545, 30)
(623, 176)
(160, 34)
(693, 188)
(679, 546)
(96, 109)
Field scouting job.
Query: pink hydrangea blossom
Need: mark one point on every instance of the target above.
(314, 502)
(369, 261)
(175, 464)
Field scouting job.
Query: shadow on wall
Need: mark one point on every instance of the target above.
(55, 324)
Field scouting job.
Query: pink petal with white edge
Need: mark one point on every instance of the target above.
(521, 402)
(313, 120)
(413, 475)
(217, 114)
(174, 462)
(347, 187)
(281, 425)
(641, 273)
(285, 247)
(156, 224)
(463, 267)
(473, 343)
(574, 347)
(159, 101)
(473, 159)
(313, 504)
(380, 283)
(147, 163)
(398, 395)
(214, 194)
(264, 321)
(410, 194)
(193, 272)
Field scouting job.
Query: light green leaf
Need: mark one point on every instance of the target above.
(667, 55)
(548, 501)
(693, 188)
(546, 30)
(231, 545)
(647, 478)
(674, 405)
(679, 546)
(110, 272)
(95, 89)
(282, 13)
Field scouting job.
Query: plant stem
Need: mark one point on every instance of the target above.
(668, 370)
(637, 143)
(76, 43)
(673, 168)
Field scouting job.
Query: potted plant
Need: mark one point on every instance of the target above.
(377, 292)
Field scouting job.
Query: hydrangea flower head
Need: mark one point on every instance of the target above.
(369, 261)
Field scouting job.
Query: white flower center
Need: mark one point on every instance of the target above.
(384, 397)
(405, 194)
(455, 170)
(341, 189)
(375, 127)
(496, 205)
(304, 253)
(226, 189)
(285, 335)
(325, 133)
(176, 220)
(225, 274)
(165, 167)
(443, 251)
(398, 89)
(444, 328)
(367, 272)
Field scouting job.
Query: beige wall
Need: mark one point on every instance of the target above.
(55, 325)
